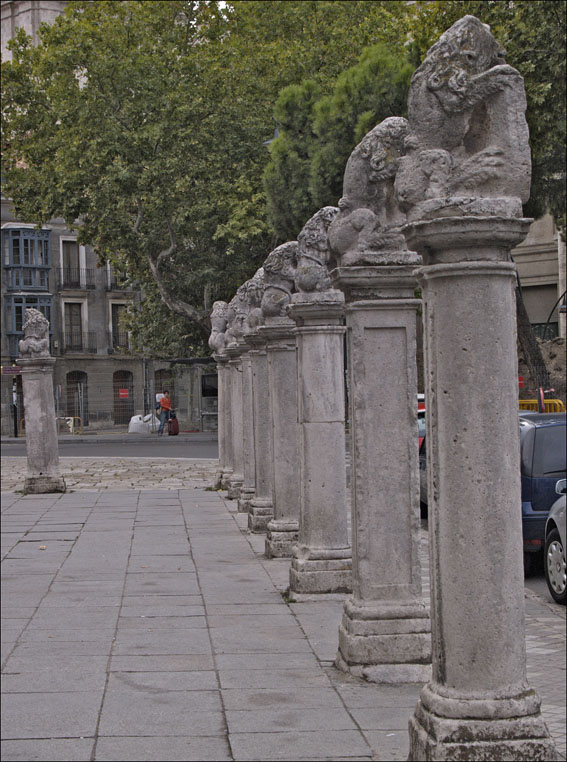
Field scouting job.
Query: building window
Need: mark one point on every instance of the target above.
(15, 309)
(119, 333)
(73, 326)
(26, 258)
(209, 385)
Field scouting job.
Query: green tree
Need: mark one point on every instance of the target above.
(142, 124)
(373, 90)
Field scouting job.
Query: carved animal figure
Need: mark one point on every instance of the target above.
(369, 218)
(36, 335)
(217, 339)
(466, 113)
(279, 274)
(313, 254)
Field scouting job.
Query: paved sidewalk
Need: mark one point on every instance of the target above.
(145, 624)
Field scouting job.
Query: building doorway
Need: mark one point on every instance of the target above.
(78, 396)
(123, 392)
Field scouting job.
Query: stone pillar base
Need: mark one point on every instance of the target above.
(320, 571)
(225, 479)
(260, 514)
(386, 642)
(244, 500)
(38, 485)
(456, 727)
(282, 537)
(234, 487)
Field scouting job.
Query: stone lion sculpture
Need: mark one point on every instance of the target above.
(279, 279)
(313, 253)
(35, 343)
(368, 226)
(468, 137)
(217, 339)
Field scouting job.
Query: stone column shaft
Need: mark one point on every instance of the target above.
(226, 420)
(236, 416)
(282, 374)
(41, 428)
(261, 509)
(385, 632)
(322, 559)
(249, 471)
(478, 705)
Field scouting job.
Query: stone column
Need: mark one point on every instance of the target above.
(261, 509)
(220, 421)
(322, 559)
(282, 375)
(249, 470)
(41, 428)
(385, 631)
(225, 419)
(236, 479)
(478, 705)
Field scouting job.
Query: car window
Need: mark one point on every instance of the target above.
(550, 451)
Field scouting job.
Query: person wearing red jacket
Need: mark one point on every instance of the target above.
(164, 411)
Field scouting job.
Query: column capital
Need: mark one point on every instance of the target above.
(28, 364)
(369, 282)
(325, 308)
(463, 239)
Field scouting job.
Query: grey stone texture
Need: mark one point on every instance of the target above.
(234, 367)
(261, 507)
(467, 152)
(41, 430)
(385, 632)
(468, 134)
(322, 559)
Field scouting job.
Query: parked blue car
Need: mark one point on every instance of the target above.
(543, 438)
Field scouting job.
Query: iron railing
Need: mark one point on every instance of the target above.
(78, 341)
(75, 277)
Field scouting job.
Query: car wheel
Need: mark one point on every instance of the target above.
(555, 567)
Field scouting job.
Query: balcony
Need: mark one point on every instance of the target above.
(75, 278)
(119, 341)
(85, 343)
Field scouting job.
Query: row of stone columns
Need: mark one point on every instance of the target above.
(448, 183)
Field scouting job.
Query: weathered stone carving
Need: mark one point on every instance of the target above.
(254, 294)
(217, 339)
(468, 136)
(279, 279)
(367, 228)
(313, 254)
(36, 335)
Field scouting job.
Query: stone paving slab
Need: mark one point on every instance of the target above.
(174, 642)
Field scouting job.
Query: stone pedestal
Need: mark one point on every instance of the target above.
(236, 478)
(478, 705)
(385, 631)
(282, 375)
(225, 420)
(322, 559)
(220, 360)
(41, 428)
(261, 509)
(248, 489)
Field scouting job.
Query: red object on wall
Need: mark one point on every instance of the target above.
(123, 394)
(521, 382)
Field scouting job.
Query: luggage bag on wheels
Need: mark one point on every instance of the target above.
(172, 425)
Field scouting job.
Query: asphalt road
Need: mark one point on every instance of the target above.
(162, 447)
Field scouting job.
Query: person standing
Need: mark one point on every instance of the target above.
(165, 411)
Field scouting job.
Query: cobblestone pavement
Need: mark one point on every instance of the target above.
(146, 624)
(118, 473)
